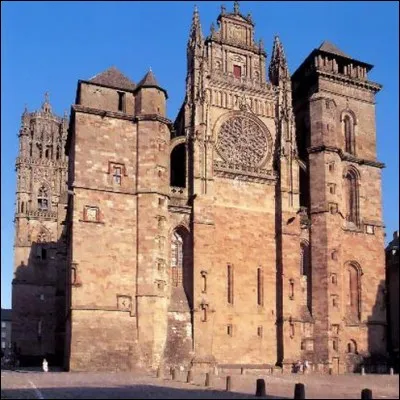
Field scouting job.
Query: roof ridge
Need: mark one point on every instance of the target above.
(329, 47)
(112, 76)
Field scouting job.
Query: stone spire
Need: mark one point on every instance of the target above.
(278, 68)
(46, 107)
(236, 7)
(196, 35)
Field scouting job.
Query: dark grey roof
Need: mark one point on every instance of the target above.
(6, 314)
(331, 48)
(114, 78)
(149, 80)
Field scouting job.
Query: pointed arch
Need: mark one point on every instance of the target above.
(352, 195)
(178, 165)
(353, 273)
(349, 121)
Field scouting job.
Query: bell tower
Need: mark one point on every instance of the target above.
(334, 102)
(38, 294)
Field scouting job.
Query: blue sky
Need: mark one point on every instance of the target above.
(48, 46)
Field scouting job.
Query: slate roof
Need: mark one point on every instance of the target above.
(331, 48)
(114, 78)
(149, 80)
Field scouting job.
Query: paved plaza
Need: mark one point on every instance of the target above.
(29, 384)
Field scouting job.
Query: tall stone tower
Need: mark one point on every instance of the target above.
(334, 104)
(243, 172)
(38, 295)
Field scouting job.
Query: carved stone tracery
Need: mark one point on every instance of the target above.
(242, 141)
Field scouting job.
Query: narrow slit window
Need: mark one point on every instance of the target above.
(121, 101)
(260, 287)
(117, 176)
(230, 283)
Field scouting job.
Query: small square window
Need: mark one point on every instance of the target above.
(331, 167)
(92, 214)
(42, 297)
(3, 324)
(3, 334)
(3, 345)
(370, 229)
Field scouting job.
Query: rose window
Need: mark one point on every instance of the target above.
(242, 141)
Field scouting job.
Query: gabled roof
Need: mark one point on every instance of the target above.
(114, 78)
(331, 48)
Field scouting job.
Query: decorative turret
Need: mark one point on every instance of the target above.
(195, 36)
(46, 107)
(150, 96)
(278, 68)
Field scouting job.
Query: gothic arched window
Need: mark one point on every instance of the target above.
(43, 199)
(352, 347)
(354, 289)
(352, 197)
(348, 126)
(178, 166)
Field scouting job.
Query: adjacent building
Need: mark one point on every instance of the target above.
(392, 284)
(6, 327)
(246, 232)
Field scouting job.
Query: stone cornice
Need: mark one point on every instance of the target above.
(154, 117)
(345, 156)
(244, 174)
(121, 115)
(41, 162)
(363, 84)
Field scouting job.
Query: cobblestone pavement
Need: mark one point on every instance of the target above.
(26, 384)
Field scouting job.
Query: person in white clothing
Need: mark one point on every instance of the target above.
(45, 365)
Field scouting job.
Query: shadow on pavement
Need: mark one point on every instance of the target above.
(125, 392)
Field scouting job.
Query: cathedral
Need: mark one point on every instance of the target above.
(246, 233)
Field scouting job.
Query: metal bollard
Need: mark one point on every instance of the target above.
(189, 378)
(260, 388)
(207, 382)
(299, 391)
(362, 371)
(228, 384)
(391, 371)
(366, 394)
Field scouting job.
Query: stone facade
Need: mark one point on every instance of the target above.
(247, 232)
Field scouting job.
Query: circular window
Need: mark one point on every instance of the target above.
(242, 141)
